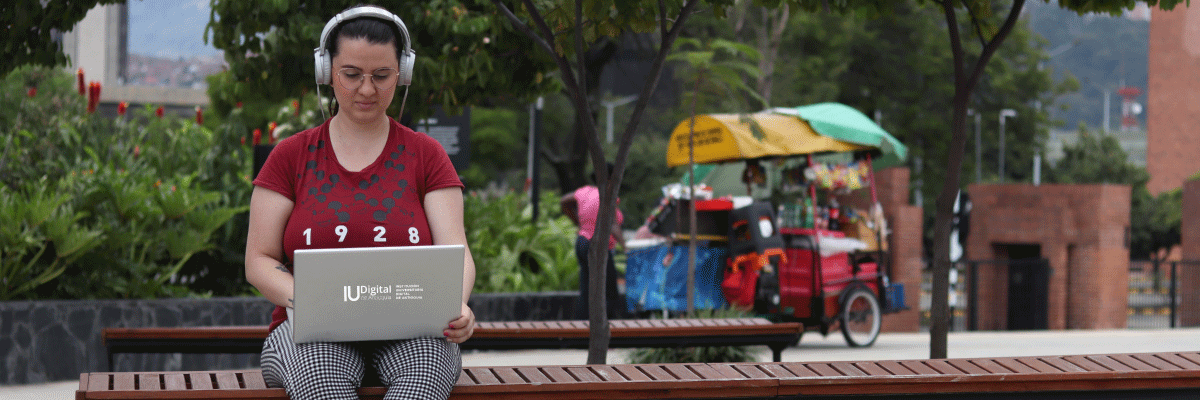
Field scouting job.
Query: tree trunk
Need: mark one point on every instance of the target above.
(964, 83)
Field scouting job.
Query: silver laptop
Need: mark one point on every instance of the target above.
(376, 293)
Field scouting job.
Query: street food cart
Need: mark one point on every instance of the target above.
(812, 249)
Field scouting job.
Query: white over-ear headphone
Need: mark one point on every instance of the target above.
(324, 62)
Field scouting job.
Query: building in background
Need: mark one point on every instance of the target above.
(137, 72)
(1173, 101)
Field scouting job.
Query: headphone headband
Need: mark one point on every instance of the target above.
(324, 62)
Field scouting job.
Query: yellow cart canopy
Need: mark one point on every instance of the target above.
(729, 137)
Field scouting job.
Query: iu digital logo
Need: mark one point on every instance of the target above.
(350, 294)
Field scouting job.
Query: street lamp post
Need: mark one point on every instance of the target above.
(610, 105)
(978, 144)
(1007, 112)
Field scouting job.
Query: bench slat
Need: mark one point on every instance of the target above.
(148, 382)
(534, 375)
(631, 373)
(98, 383)
(1086, 364)
(656, 372)
(174, 382)
(1109, 363)
(508, 376)
(943, 367)
(750, 371)
(1133, 362)
(1193, 357)
(968, 367)
(919, 367)
(801, 370)
(226, 380)
(124, 382)
(558, 374)
(1018, 367)
(895, 368)
(254, 380)
(1177, 360)
(847, 369)
(583, 374)
(1063, 364)
(871, 368)
(200, 381)
(484, 376)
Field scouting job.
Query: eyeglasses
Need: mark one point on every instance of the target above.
(383, 78)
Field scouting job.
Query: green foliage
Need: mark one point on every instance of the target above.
(498, 147)
(719, 69)
(466, 52)
(1154, 220)
(714, 354)
(512, 254)
(30, 27)
(113, 208)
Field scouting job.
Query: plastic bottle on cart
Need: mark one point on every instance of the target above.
(834, 215)
(808, 213)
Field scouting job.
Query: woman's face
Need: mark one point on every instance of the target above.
(362, 63)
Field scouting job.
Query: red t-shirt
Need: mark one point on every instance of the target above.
(382, 205)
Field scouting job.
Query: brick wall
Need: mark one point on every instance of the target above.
(905, 245)
(1173, 97)
(1189, 275)
(1081, 231)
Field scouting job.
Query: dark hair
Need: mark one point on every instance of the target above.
(374, 30)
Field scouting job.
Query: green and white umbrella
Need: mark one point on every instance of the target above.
(847, 124)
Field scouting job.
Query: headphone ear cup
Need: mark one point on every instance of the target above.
(322, 67)
(406, 68)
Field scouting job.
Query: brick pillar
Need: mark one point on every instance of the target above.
(1189, 275)
(1173, 97)
(904, 244)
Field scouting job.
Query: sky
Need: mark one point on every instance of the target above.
(169, 28)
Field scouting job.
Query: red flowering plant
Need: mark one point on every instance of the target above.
(290, 120)
(79, 82)
(79, 190)
(93, 96)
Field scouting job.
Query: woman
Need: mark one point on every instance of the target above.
(360, 179)
(583, 207)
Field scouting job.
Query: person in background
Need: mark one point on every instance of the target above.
(360, 179)
(583, 206)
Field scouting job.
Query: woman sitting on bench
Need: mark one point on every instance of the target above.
(360, 179)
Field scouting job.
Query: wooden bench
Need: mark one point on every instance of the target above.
(1157, 375)
(488, 335)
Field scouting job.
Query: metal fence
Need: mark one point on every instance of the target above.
(1154, 292)
(1153, 296)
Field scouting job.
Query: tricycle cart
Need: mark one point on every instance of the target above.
(816, 253)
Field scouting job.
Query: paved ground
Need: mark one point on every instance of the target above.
(893, 346)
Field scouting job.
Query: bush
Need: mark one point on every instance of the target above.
(511, 253)
(110, 207)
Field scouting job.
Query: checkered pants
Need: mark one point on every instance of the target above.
(424, 368)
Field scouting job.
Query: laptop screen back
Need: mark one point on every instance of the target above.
(376, 293)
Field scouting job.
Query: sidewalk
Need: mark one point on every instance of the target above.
(813, 347)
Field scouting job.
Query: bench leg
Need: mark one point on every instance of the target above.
(777, 352)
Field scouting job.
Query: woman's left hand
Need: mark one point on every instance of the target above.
(461, 328)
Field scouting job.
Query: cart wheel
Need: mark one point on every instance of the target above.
(860, 318)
